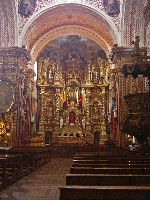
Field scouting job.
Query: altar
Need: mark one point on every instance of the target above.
(69, 138)
(73, 93)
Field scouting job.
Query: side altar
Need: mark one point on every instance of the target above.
(73, 93)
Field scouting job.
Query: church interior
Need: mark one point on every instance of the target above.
(75, 90)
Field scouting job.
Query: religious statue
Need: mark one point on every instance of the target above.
(103, 67)
(72, 118)
(42, 63)
(57, 73)
(83, 123)
(89, 73)
(61, 122)
(50, 71)
(136, 45)
(96, 111)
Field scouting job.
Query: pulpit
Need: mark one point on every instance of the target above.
(137, 120)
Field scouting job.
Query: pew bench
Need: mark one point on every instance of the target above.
(98, 157)
(18, 162)
(113, 165)
(107, 179)
(90, 170)
(111, 161)
(10, 170)
(104, 193)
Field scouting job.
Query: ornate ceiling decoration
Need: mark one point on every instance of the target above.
(69, 20)
(44, 5)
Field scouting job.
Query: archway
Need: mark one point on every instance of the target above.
(70, 19)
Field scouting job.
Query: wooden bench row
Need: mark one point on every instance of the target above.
(105, 193)
(108, 153)
(113, 165)
(107, 179)
(111, 161)
(108, 170)
(107, 156)
(100, 176)
(16, 163)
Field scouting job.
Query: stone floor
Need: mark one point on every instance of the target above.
(40, 185)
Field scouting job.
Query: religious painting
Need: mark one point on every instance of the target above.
(112, 7)
(26, 7)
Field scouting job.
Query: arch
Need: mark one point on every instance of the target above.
(68, 30)
(73, 15)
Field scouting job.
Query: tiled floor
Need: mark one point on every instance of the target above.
(40, 185)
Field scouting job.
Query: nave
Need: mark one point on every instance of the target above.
(98, 175)
(74, 76)
(41, 184)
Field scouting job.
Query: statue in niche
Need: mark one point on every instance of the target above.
(40, 69)
(96, 111)
(72, 118)
(103, 69)
(89, 73)
(43, 64)
(61, 122)
(136, 45)
(96, 75)
(50, 75)
(50, 71)
(83, 122)
(57, 72)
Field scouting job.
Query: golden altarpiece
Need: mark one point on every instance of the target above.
(16, 84)
(73, 91)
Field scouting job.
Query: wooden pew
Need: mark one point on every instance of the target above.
(99, 157)
(33, 157)
(90, 170)
(104, 193)
(113, 165)
(18, 162)
(115, 161)
(107, 179)
(10, 170)
(108, 154)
